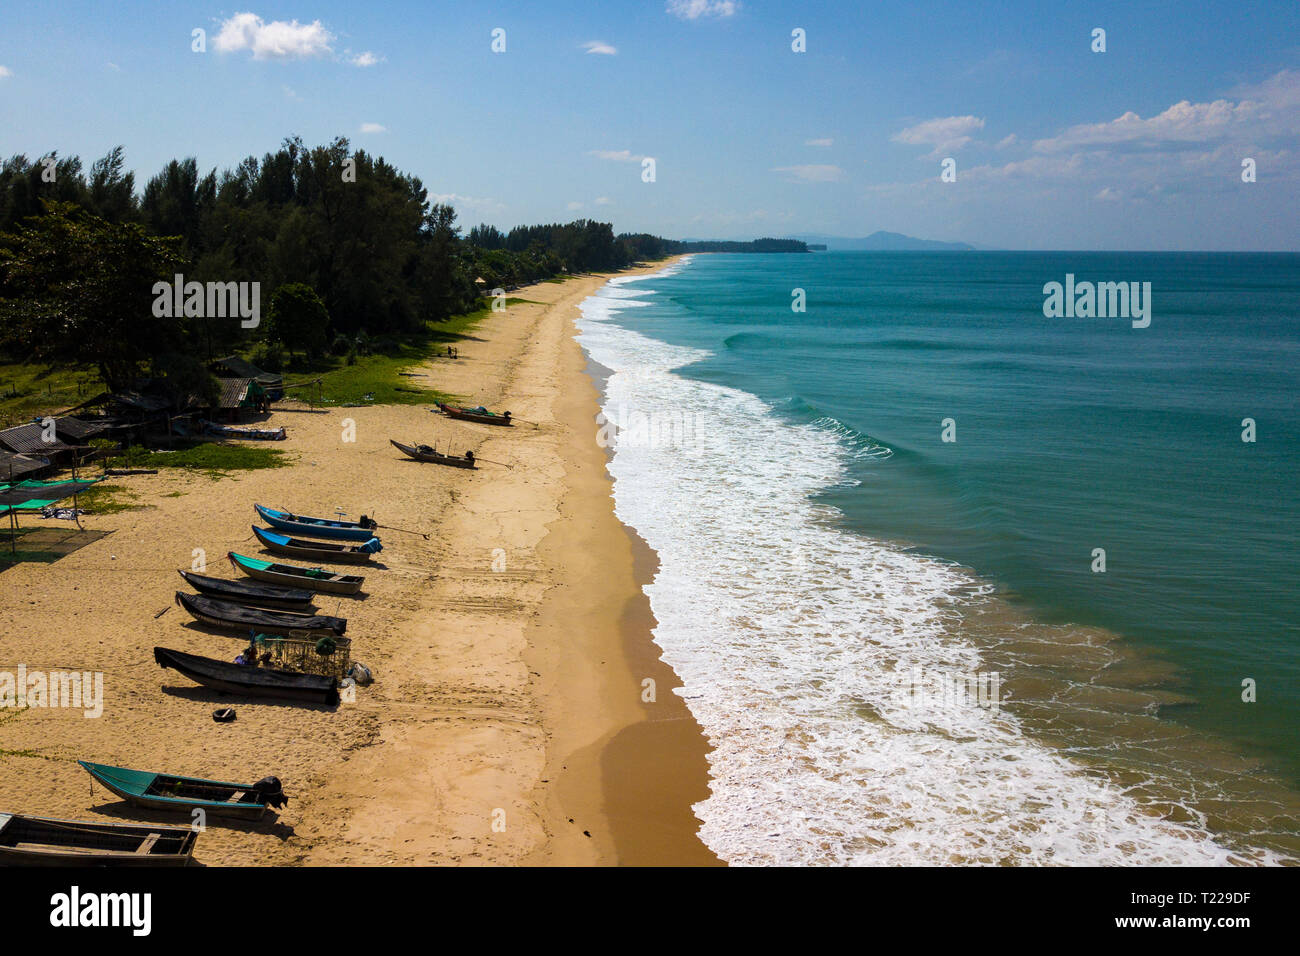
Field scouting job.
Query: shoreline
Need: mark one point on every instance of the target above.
(507, 648)
(653, 768)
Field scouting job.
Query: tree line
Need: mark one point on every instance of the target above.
(346, 246)
(80, 251)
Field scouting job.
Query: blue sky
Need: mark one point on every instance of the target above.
(1056, 146)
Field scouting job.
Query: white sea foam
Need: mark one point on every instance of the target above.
(793, 639)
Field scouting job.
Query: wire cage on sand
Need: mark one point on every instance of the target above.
(328, 656)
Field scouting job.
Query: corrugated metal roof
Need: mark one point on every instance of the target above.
(233, 391)
(30, 438)
(21, 465)
(76, 430)
(132, 401)
(246, 369)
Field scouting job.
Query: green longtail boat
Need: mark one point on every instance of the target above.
(161, 791)
(294, 575)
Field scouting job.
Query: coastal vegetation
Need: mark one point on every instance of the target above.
(208, 458)
(362, 271)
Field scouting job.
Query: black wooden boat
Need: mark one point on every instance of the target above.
(237, 617)
(247, 680)
(305, 550)
(42, 841)
(426, 453)
(245, 592)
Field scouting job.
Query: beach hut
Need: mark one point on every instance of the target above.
(15, 468)
(240, 396)
(124, 415)
(75, 431)
(35, 440)
(234, 367)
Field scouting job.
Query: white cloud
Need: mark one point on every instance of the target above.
(1264, 110)
(616, 155)
(694, 9)
(573, 206)
(373, 128)
(1183, 122)
(277, 40)
(1130, 175)
(603, 201)
(1009, 140)
(365, 59)
(819, 142)
(5, 71)
(110, 64)
(944, 133)
(811, 174)
(598, 46)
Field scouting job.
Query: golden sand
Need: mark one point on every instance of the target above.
(506, 723)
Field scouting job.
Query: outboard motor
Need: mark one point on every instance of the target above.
(270, 792)
(368, 522)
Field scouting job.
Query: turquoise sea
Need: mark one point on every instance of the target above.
(821, 544)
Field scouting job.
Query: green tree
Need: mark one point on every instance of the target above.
(298, 320)
(74, 286)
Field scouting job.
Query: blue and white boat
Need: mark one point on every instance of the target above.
(362, 530)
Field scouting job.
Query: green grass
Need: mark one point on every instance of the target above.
(376, 379)
(107, 499)
(29, 753)
(31, 391)
(213, 459)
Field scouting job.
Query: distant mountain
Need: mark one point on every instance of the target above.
(885, 242)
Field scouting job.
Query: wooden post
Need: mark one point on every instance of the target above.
(76, 518)
(13, 527)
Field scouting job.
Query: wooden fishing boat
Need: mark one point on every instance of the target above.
(250, 681)
(164, 791)
(362, 530)
(317, 550)
(479, 414)
(254, 595)
(41, 841)
(237, 617)
(318, 579)
(425, 453)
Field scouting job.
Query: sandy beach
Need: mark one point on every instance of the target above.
(509, 721)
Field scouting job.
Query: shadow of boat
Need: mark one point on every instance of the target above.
(206, 695)
(270, 823)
